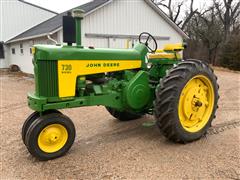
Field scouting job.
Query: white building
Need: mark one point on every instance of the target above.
(17, 16)
(107, 23)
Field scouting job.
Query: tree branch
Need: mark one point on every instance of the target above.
(191, 6)
(178, 12)
(234, 11)
(161, 4)
(219, 11)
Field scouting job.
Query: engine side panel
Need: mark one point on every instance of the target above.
(69, 70)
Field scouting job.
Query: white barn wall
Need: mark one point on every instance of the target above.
(16, 17)
(24, 61)
(129, 17)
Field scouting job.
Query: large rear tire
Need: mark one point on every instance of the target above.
(186, 101)
(124, 115)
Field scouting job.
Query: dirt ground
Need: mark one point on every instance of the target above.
(105, 148)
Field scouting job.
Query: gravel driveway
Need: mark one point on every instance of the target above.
(108, 149)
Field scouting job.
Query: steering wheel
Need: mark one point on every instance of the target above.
(148, 37)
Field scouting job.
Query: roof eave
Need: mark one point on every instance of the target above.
(99, 7)
(33, 37)
(166, 18)
(149, 2)
(45, 34)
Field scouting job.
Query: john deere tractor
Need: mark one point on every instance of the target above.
(181, 94)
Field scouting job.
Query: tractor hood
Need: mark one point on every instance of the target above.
(52, 52)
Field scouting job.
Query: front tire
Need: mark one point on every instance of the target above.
(31, 118)
(186, 101)
(50, 136)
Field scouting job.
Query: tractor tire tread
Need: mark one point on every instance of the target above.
(123, 115)
(166, 98)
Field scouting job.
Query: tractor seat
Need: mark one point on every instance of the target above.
(162, 55)
(170, 51)
(174, 47)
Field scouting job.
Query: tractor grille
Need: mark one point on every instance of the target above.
(47, 78)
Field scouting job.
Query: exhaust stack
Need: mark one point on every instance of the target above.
(78, 16)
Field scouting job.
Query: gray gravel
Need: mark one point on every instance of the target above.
(107, 149)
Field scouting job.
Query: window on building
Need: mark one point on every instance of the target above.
(1, 50)
(21, 48)
(13, 51)
(30, 50)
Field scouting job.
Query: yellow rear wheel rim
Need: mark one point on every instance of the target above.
(196, 103)
(52, 138)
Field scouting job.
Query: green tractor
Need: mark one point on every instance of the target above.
(181, 94)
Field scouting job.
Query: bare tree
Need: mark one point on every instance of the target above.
(206, 32)
(228, 12)
(174, 11)
(209, 28)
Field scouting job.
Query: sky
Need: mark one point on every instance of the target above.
(64, 5)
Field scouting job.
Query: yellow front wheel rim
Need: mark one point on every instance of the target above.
(196, 103)
(52, 138)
